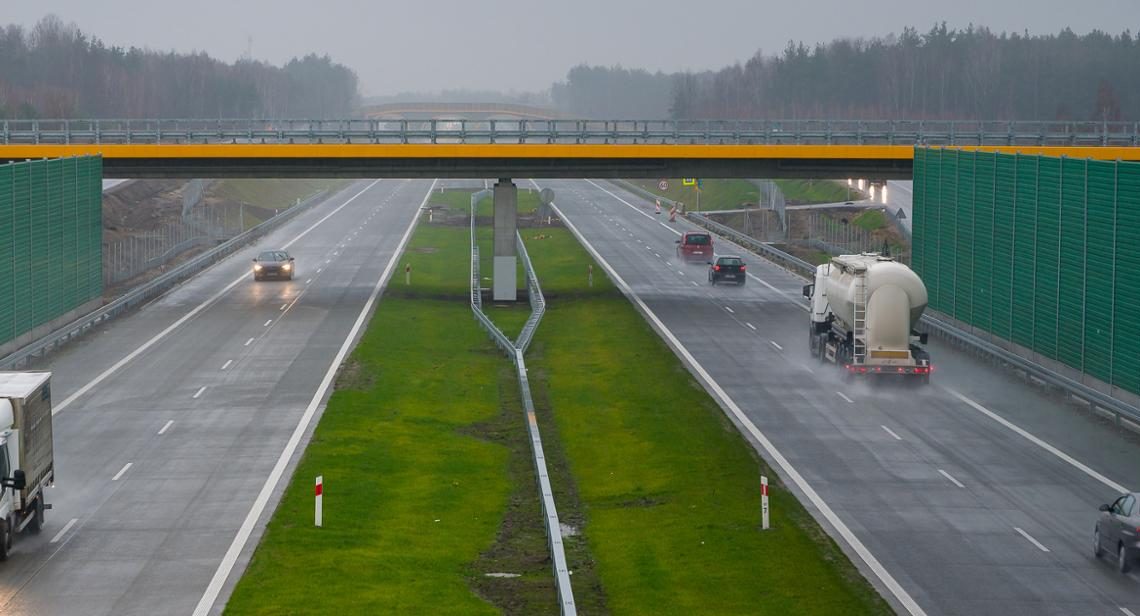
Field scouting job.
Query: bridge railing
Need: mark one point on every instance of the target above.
(710, 132)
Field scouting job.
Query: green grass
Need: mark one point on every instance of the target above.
(870, 220)
(807, 192)
(715, 194)
(415, 490)
(274, 193)
(669, 488)
(267, 193)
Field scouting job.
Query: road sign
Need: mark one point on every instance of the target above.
(689, 181)
(546, 196)
(663, 185)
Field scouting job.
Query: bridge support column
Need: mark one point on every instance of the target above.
(504, 281)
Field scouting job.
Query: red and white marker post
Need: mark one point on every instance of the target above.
(763, 502)
(319, 495)
(657, 206)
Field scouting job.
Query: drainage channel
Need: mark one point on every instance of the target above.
(515, 350)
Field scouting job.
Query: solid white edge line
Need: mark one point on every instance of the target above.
(63, 531)
(123, 470)
(189, 315)
(892, 585)
(242, 537)
(844, 396)
(1081, 466)
(892, 433)
(1031, 539)
(199, 392)
(629, 205)
(951, 478)
(166, 427)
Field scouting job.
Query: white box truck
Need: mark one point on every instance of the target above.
(27, 463)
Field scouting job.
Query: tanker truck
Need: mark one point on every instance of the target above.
(27, 465)
(863, 311)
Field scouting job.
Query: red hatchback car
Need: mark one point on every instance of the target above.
(695, 246)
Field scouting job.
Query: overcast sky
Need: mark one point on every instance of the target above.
(429, 45)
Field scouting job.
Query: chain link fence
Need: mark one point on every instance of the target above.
(130, 256)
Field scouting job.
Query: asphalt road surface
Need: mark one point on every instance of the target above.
(964, 512)
(172, 421)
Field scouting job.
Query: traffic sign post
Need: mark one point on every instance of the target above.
(763, 502)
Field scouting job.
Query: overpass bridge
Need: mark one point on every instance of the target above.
(469, 111)
(542, 148)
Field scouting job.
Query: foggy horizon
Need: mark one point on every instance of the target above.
(446, 45)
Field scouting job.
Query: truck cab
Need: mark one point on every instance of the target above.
(27, 465)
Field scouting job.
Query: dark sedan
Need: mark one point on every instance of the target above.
(1118, 531)
(273, 264)
(727, 268)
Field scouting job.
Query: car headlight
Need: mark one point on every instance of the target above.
(287, 266)
(257, 268)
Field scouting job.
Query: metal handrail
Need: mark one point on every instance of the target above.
(708, 132)
(932, 324)
(152, 289)
(515, 351)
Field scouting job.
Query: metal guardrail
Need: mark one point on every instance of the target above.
(728, 132)
(931, 324)
(150, 290)
(515, 351)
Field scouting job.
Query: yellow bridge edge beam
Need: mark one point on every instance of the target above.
(531, 151)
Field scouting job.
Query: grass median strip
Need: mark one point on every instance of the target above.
(424, 489)
(668, 488)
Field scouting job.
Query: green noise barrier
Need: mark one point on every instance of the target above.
(1042, 253)
(51, 234)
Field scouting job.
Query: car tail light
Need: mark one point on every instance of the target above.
(901, 370)
(742, 268)
(716, 268)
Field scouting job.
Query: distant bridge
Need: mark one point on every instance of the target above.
(458, 111)
(541, 148)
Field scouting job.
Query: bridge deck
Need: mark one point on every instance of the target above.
(513, 160)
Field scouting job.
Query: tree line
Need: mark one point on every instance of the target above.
(54, 70)
(945, 73)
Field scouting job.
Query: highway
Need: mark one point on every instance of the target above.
(174, 423)
(977, 495)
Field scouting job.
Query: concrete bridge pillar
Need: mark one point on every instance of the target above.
(506, 199)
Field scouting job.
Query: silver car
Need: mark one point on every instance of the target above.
(1118, 531)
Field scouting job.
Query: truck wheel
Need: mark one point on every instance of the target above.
(37, 523)
(5, 539)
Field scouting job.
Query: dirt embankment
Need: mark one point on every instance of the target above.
(140, 207)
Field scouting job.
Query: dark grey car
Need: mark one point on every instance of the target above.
(273, 264)
(1118, 531)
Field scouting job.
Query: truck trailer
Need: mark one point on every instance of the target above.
(27, 463)
(863, 311)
